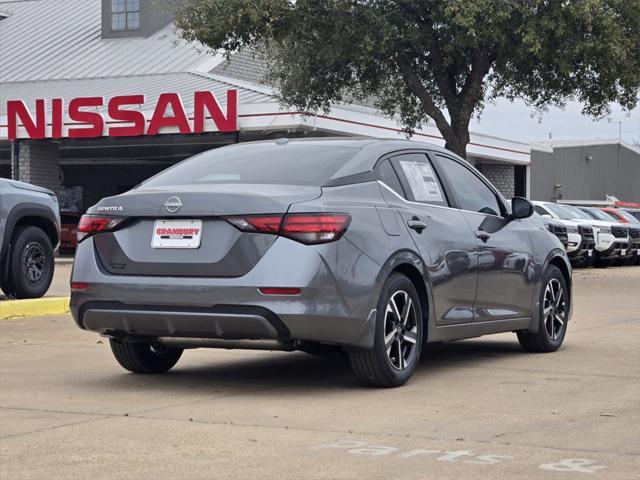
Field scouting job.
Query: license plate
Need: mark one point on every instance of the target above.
(589, 253)
(623, 252)
(176, 234)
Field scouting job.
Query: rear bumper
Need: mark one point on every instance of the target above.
(330, 309)
(224, 321)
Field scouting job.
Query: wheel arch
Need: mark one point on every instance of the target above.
(31, 214)
(564, 267)
(559, 260)
(27, 214)
(411, 265)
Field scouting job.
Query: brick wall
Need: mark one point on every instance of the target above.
(38, 163)
(501, 175)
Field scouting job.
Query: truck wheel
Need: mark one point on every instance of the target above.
(144, 357)
(554, 309)
(31, 263)
(398, 337)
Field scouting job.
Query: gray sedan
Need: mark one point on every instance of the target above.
(368, 247)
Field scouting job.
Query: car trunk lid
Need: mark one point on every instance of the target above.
(223, 250)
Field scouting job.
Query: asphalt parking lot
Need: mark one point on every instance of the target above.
(474, 409)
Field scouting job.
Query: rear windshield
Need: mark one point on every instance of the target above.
(289, 164)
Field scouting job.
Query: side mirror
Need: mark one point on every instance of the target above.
(521, 208)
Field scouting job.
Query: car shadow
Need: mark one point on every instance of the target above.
(299, 373)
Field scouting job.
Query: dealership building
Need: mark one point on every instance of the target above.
(98, 95)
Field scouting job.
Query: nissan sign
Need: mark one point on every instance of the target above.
(125, 117)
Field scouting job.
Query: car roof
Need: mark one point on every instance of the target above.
(364, 160)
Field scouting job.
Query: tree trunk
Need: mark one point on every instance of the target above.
(456, 137)
(456, 146)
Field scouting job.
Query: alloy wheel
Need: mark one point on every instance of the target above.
(400, 330)
(34, 261)
(554, 309)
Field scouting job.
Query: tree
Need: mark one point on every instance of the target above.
(433, 59)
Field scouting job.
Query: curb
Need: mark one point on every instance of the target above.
(33, 307)
(64, 261)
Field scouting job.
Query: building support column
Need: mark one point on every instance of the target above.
(15, 159)
(36, 162)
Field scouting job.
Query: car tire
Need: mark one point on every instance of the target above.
(31, 263)
(145, 357)
(398, 337)
(554, 305)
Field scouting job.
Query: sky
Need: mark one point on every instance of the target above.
(513, 121)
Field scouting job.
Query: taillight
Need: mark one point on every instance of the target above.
(90, 224)
(314, 228)
(307, 228)
(257, 223)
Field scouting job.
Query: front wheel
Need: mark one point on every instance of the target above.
(144, 357)
(398, 337)
(553, 315)
(31, 264)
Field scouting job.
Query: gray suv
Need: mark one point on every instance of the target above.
(29, 235)
(370, 247)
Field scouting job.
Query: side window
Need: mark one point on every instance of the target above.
(471, 192)
(419, 179)
(388, 176)
(540, 211)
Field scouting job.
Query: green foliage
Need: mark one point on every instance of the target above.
(422, 58)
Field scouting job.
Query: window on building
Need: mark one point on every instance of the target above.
(125, 15)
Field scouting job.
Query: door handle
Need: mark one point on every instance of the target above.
(416, 225)
(482, 235)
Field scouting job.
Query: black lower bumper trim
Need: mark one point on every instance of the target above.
(223, 321)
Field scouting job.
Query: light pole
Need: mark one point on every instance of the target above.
(619, 122)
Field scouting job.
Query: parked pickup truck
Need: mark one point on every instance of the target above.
(581, 241)
(621, 252)
(29, 235)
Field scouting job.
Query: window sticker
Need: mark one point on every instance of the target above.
(422, 180)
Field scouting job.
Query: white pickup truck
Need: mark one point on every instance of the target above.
(606, 247)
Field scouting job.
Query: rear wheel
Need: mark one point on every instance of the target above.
(31, 263)
(145, 357)
(553, 315)
(398, 337)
